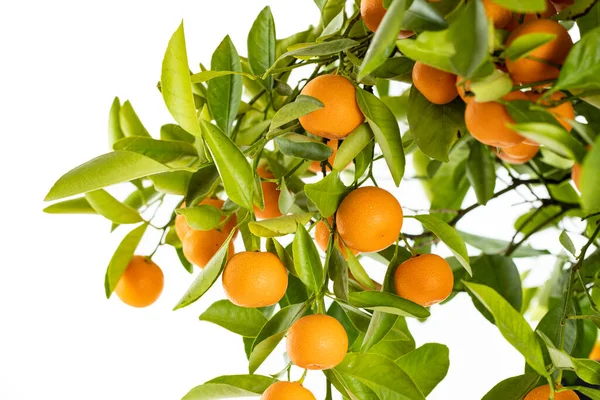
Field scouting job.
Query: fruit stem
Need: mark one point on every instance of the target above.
(410, 248)
(301, 380)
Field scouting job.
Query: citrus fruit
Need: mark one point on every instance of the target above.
(499, 15)
(542, 63)
(595, 353)
(322, 237)
(254, 279)
(200, 246)
(426, 279)
(317, 342)
(462, 88)
(563, 112)
(439, 87)
(518, 154)
(543, 393)
(315, 166)
(340, 114)
(369, 219)
(372, 12)
(487, 122)
(287, 390)
(576, 174)
(270, 195)
(182, 227)
(141, 284)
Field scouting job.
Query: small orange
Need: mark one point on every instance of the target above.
(487, 122)
(200, 246)
(499, 15)
(317, 342)
(463, 88)
(287, 390)
(315, 166)
(595, 353)
(369, 219)
(529, 69)
(563, 112)
(543, 393)
(255, 279)
(518, 154)
(425, 279)
(182, 227)
(322, 237)
(270, 195)
(372, 12)
(341, 114)
(439, 87)
(141, 284)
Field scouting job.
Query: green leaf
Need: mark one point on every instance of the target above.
(334, 26)
(301, 146)
(588, 370)
(106, 170)
(230, 386)
(327, 194)
(234, 169)
(329, 9)
(175, 182)
(280, 226)
(495, 246)
(449, 236)
(352, 146)
(358, 271)
(225, 92)
(121, 258)
(290, 112)
(175, 133)
(111, 208)
(422, 16)
(79, 205)
(162, 151)
(307, 261)
(512, 325)
(207, 276)
(514, 388)
(130, 122)
(385, 129)
(426, 366)
(593, 394)
(243, 321)
(114, 124)
(555, 137)
(481, 172)
(590, 190)
(380, 325)
(492, 87)
(276, 248)
(388, 303)
(206, 76)
(261, 45)
(381, 375)
(383, 42)
(436, 128)
(272, 333)
(469, 32)
(432, 48)
(591, 20)
(567, 243)
(286, 198)
(202, 217)
(337, 271)
(525, 44)
(538, 219)
(530, 6)
(581, 69)
(202, 183)
(176, 86)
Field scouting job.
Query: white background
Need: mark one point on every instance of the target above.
(62, 62)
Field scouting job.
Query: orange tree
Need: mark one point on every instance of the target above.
(492, 86)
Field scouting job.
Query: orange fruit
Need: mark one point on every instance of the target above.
(322, 237)
(369, 219)
(341, 114)
(518, 154)
(372, 12)
(543, 393)
(528, 69)
(255, 279)
(200, 246)
(182, 227)
(576, 174)
(439, 87)
(426, 279)
(270, 195)
(595, 353)
(317, 342)
(487, 122)
(499, 15)
(462, 88)
(315, 166)
(287, 390)
(141, 284)
(563, 112)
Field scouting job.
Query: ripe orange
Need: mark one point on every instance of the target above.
(372, 12)
(315, 166)
(317, 342)
(528, 69)
(518, 154)
(425, 279)
(287, 390)
(595, 353)
(487, 122)
(439, 87)
(499, 15)
(182, 227)
(141, 284)
(563, 112)
(255, 279)
(543, 393)
(462, 88)
(341, 114)
(200, 246)
(369, 219)
(270, 194)
(322, 237)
